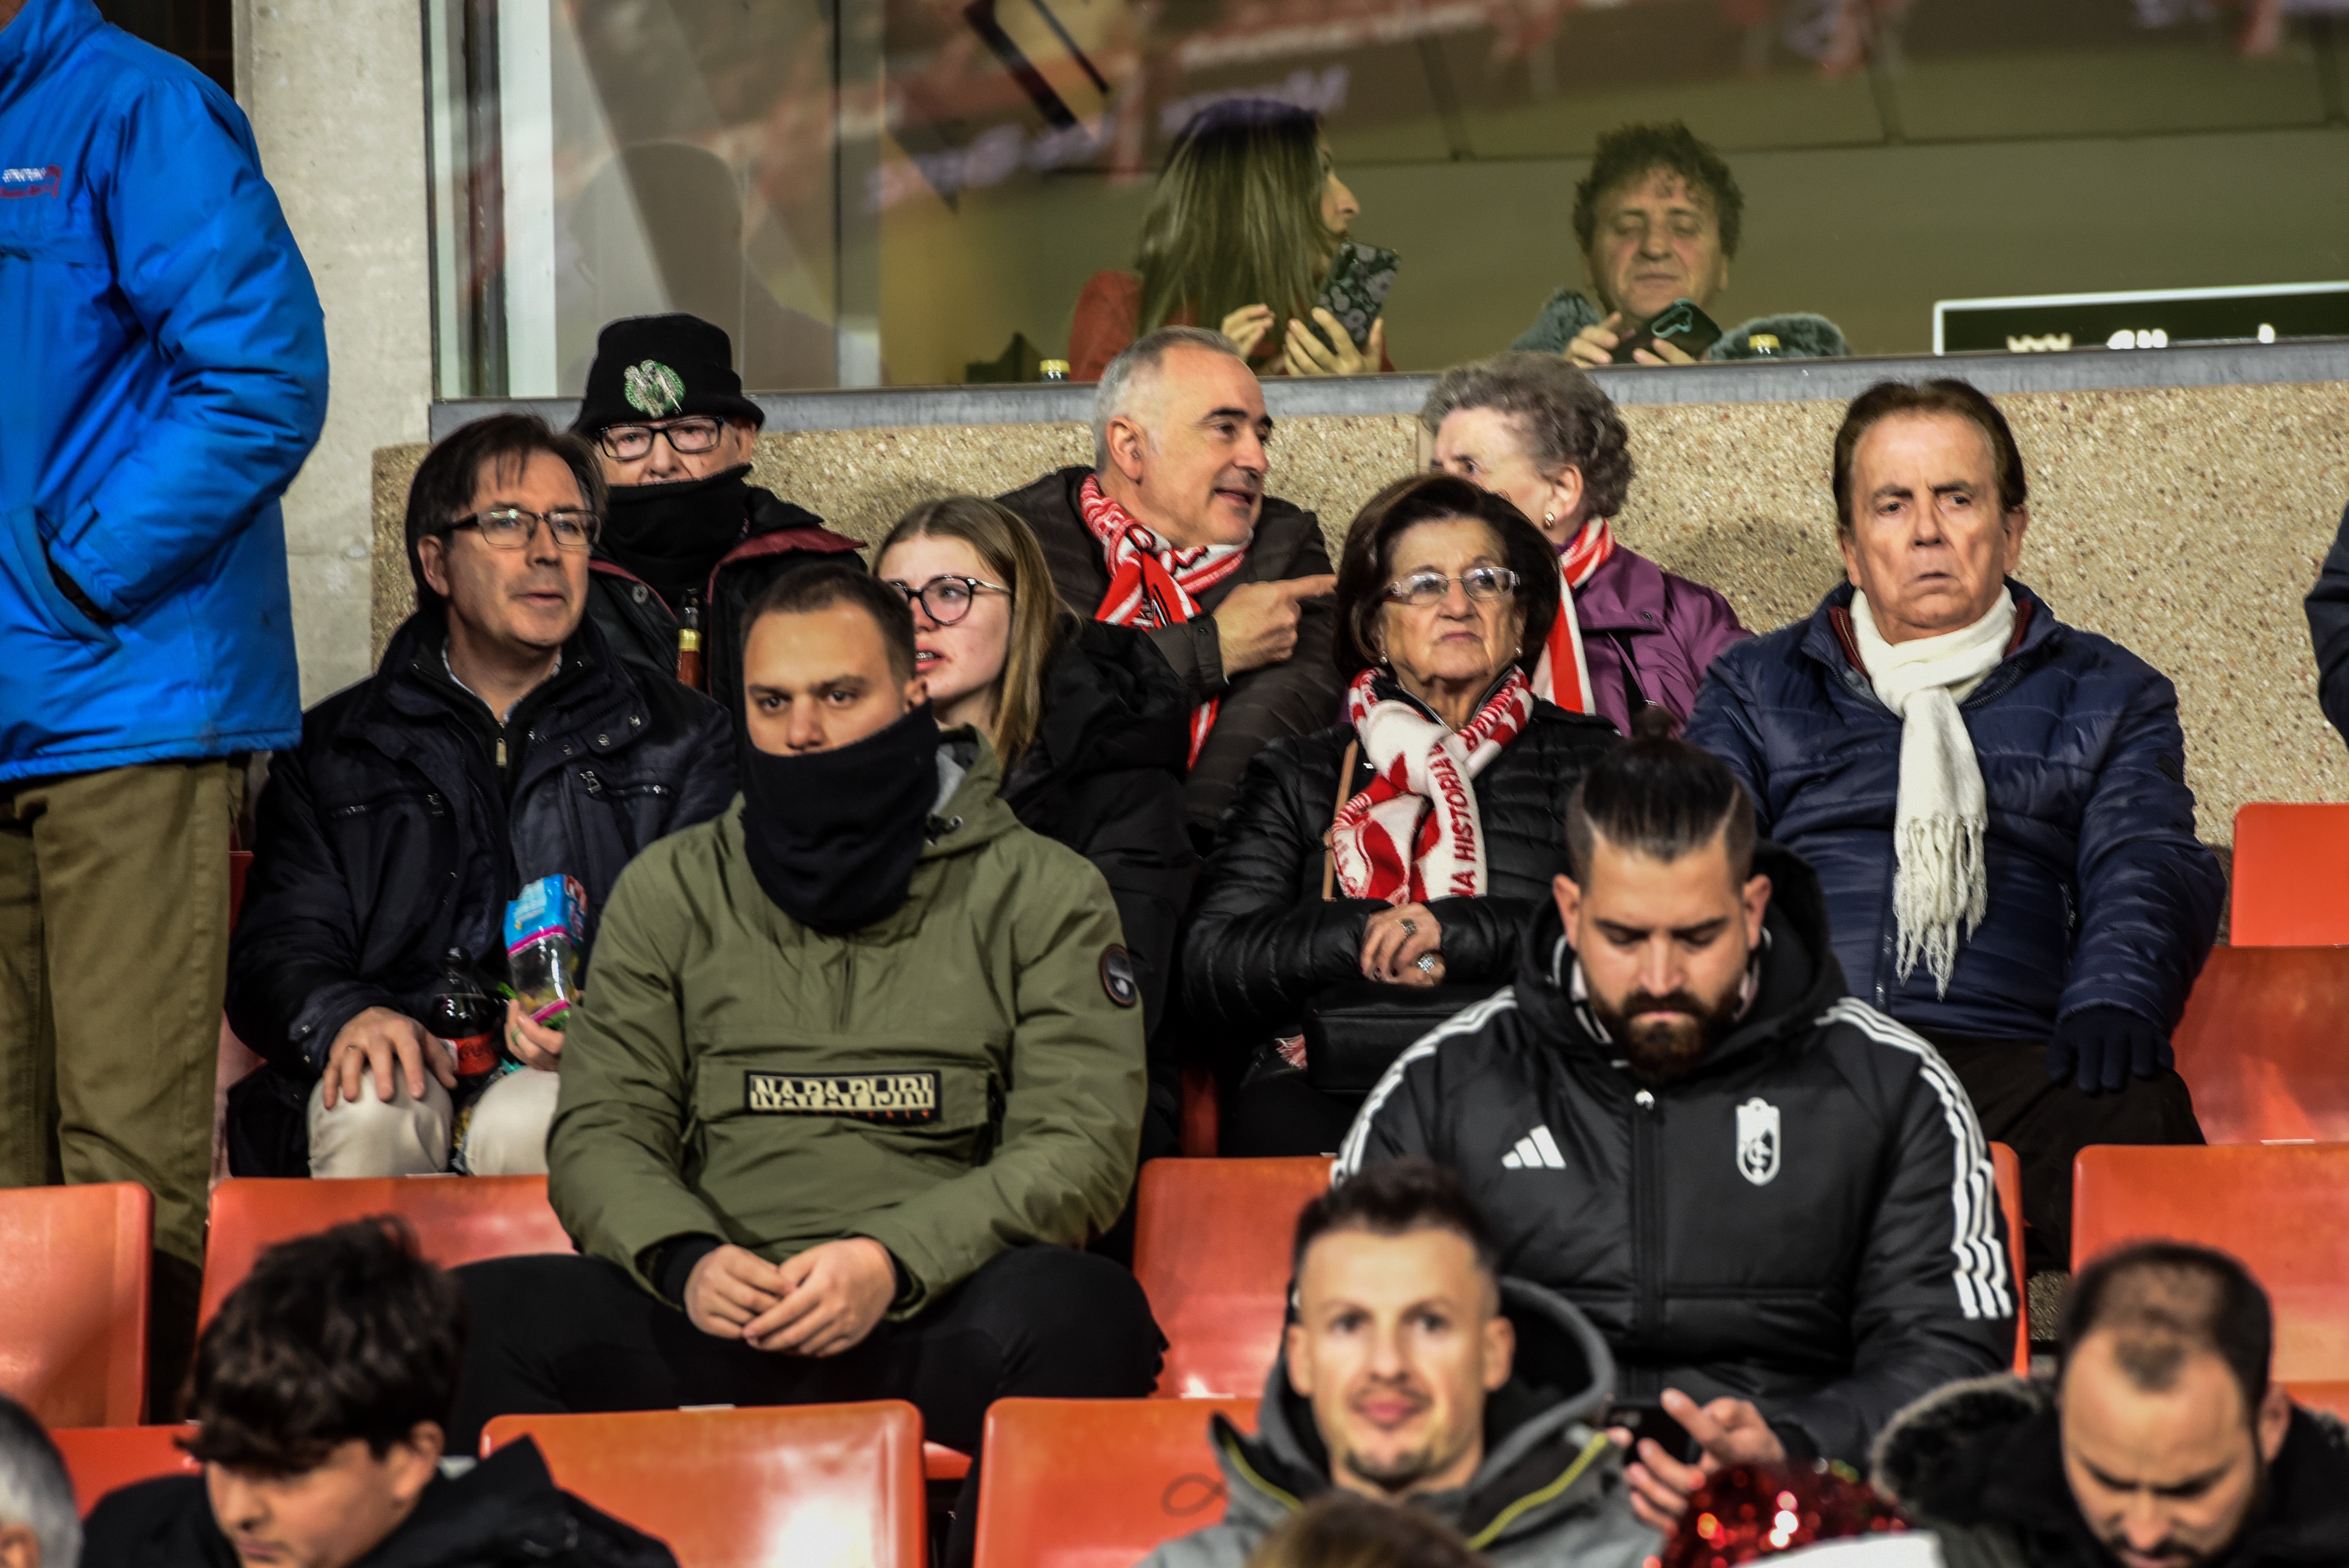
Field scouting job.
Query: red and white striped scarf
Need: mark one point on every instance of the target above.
(1151, 582)
(1564, 674)
(1415, 833)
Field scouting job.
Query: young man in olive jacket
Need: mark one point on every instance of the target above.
(860, 1065)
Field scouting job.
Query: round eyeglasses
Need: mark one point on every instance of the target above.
(512, 527)
(947, 600)
(626, 443)
(1483, 585)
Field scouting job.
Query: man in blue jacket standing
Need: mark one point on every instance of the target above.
(1995, 802)
(166, 376)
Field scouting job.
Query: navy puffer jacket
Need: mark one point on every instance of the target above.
(2100, 895)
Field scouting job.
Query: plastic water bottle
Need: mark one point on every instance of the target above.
(544, 926)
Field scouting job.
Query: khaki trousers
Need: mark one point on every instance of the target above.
(113, 959)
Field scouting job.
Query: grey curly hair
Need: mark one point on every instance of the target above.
(1566, 421)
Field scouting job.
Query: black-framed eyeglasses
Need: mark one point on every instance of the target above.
(947, 600)
(573, 529)
(1483, 585)
(626, 443)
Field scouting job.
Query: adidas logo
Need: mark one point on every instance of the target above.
(1537, 1150)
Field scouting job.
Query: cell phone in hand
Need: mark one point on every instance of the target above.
(1657, 1424)
(1360, 277)
(1680, 324)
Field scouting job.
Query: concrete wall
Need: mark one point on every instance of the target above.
(336, 94)
(2184, 521)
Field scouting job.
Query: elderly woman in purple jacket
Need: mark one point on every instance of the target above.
(1632, 640)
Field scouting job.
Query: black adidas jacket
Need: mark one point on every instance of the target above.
(1808, 1220)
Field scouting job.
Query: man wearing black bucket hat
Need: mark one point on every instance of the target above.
(688, 545)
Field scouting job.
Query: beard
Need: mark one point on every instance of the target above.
(1664, 1037)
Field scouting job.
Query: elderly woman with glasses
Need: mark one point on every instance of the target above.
(1403, 849)
(1092, 726)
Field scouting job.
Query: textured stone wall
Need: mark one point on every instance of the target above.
(2186, 523)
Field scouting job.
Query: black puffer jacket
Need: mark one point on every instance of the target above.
(506, 1512)
(1104, 777)
(390, 836)
(777, 538)
(1981, 1464)
(1808, 1221)
(1262, 942)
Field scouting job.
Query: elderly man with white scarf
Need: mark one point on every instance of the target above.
(1996, 801)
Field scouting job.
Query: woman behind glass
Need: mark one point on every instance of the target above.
(1635, 639)
(1239, 235)
(1445, 595)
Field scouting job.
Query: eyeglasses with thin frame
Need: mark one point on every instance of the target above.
(1483, 585)
(574, 529)
(626, 443)
(947, 600)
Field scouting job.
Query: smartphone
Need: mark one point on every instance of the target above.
(1360, 277)
(1680, 324)
(1655, 1423)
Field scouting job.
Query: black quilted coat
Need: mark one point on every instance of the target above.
(1261, 941)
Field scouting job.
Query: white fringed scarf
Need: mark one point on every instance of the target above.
(1942, 812)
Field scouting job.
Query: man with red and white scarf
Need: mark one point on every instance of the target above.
(1170, 531)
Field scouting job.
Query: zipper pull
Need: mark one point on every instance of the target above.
(1644, 1100)
(501, 751)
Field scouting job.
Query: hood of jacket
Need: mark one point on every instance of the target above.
(1545, 1455)
(1110, 703)
(1799, 975)
(1988, 1453)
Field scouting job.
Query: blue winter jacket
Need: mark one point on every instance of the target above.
(165, 374)
(2100, 895)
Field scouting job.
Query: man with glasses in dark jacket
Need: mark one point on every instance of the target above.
(500, 743)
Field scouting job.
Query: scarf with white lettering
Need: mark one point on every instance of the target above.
(1415, 833)
(1151, 582)
(1942, 812)
(1564, 674)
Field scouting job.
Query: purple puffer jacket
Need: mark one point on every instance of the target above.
(1671, 627)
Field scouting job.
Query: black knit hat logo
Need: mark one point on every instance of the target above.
(652, 389)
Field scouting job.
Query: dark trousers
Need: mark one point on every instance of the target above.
(576, 1334)
(1276, 1113)
(2048, 1123)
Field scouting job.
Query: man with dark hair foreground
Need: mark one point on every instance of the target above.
(2161, 1443)
(323, 1391)
(1996, 802)
(1413, 1372)
(39, 1527)
(499, 742)
(860, 1069)
(1772, 1200)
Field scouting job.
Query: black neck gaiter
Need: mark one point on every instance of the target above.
(673, 535)
(833, 836)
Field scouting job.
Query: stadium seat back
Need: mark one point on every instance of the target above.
(2265, 1045)
(813, 1486)
(2280, 1210)
(457, 1220)
(1097, 1483)
(1211, 1248)
(2007, 1167)
(106, 1459)
(73, 1318)
(2290, 863)
(2332, 1399)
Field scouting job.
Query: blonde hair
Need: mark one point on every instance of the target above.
(1007, 549)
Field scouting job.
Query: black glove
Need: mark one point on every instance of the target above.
(2107, 1044)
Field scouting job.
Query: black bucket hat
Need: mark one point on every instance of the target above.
(662, 368)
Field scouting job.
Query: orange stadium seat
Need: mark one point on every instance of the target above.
(2274, 1208)
(105, 1458)
(815, 1486)
(1211, 1248)
(2265, 1045)
(1096, 1483)
(2291, 863)
(458, 1219)
(2331, 1397)
(73, 1318)
(2006, 1167)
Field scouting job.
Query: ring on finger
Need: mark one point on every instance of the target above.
(1410, 926)
(1427, 963)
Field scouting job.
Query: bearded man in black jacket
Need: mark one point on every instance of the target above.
(1772, 1201)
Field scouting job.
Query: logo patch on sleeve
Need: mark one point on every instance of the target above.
(1117, 975)
(898, 1099)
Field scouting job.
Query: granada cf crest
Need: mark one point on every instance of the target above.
(652, 389)
(1757, 1141)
